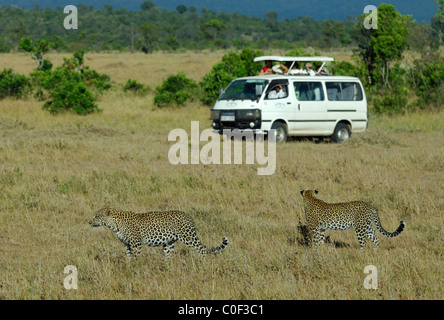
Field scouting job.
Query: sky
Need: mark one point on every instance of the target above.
(422, 10)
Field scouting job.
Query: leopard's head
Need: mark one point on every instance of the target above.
(101, 218)
(309, 193)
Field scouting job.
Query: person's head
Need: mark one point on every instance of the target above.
(268, 63)
(308, 66)
(278, 88)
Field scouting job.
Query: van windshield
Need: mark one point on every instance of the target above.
(250, 89)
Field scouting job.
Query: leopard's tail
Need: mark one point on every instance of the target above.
(218, 248)
(382, 230)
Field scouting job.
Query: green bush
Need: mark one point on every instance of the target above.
(93, 79)
(232, 66)
(392, 101)
(394, 97)
(427, 80)
(344, 68)
(176, 90)
(135, 87)
(13, 85)
(68, 87)
(64, 90)
(73, 96)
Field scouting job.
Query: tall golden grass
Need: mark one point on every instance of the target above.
(55, 171)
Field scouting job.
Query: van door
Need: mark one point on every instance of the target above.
(311, 112)
(279, 102)
(346, 102)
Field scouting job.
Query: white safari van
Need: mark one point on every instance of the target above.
(302, 105)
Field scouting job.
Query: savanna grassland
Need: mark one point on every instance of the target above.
(56, 171)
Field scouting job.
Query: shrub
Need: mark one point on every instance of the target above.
(73, 96)
(13, 85)
(427, 79)
(395, 96)
(175, 91)
(393, 101)
(64, 90)
(135, 87)
(344, 68)
(67, 88)
(91, 77)
(231, 67)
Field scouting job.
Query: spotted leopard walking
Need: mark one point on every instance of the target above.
(341, 216)
(154, 229)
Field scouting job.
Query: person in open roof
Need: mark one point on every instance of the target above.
(294, 70)
(308, 70)
(323, 72)
(267, 68)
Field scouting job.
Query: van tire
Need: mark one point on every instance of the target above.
(342, 133)
(281, 132)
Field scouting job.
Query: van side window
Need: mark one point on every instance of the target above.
(309, 91)
(344, 91)
(277, 91)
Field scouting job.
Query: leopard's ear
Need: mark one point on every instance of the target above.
(316, 191)
(302, 191)
(105, 211)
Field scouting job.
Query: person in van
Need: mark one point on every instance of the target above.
(323, 72)
(277, 93)
(294, 70)
(267, 68)
(308, 70)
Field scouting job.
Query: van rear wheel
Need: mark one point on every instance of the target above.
(281, 132)
(342, 133)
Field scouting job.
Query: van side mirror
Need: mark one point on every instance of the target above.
(259, 90)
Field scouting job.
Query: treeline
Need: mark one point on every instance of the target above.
(152, 29)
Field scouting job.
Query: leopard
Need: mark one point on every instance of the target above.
(360, 215)
(154, 228)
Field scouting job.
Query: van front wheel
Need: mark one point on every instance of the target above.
(281, 131)
(342, 133)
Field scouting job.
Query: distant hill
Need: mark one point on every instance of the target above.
(317, 9)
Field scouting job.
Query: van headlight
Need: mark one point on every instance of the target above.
(214, 114)
(254, 114)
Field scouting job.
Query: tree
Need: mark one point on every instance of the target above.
(37, 50)
(212, 28)
(147, 6)
(17, 31)
(437, 23)
(149, 34)
(172, 43)
(377, 48)
(333, 32)
(181, 8)
(271, 21)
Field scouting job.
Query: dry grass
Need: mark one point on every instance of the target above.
(56, 171)
(149, 69)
